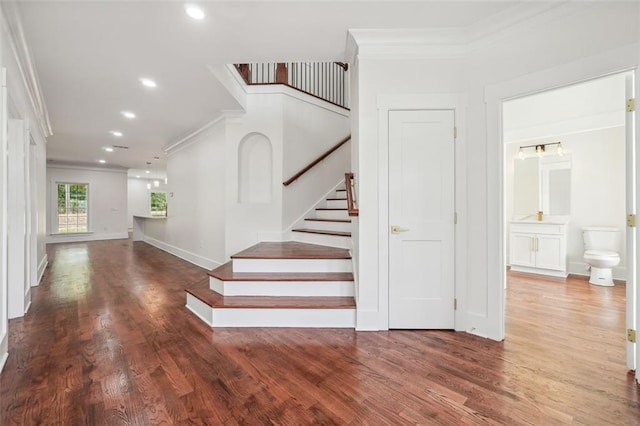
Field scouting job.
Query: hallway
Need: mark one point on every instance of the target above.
(108, 340)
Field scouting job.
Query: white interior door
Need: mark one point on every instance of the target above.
(421, 215)
(633, 355)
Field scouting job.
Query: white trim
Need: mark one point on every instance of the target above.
(190, 257)
(200, 309)
(26, 67)
(185, 141)
(86, 237)
(611, 62)
(307, 318)
(59, 165)
(4, 350)
(42, 266)
(386, 103)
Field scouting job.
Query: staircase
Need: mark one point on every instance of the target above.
(307, 282)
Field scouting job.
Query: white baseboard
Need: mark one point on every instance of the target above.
(4, 350)
(368, 320)
(27, 301)
(196, 259)
(60, 238)
(476, 324)
(41, 268)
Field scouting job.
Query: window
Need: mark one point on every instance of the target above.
(72, 208)
(158, 203)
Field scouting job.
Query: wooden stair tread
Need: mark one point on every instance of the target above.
(323, 232)
(336, 199)
(225, 273)
(291, 250)
(319, 219)
(218, 301)
(340, 190)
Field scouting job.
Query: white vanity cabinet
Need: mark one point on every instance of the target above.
(538, 247)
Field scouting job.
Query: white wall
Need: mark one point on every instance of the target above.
(107, 202)
(309, 130)
(597, 188)
(482, 72)
(194, 228)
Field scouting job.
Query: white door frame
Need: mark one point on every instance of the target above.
(386, 103)
(597, 66)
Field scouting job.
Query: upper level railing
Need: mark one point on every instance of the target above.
(312, 164)
(324, 80)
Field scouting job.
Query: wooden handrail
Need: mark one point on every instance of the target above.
(351, 203)
(314, 162)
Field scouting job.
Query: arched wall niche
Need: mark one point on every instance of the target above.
(255, 169)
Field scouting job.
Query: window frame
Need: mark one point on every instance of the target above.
(166, 201)
(56, 215)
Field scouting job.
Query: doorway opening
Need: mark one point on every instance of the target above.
(569, 172)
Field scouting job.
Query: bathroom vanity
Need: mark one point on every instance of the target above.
(538, 247)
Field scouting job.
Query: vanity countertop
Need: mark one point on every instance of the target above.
(552, 220)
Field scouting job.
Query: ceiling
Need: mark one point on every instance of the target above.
(90, 55)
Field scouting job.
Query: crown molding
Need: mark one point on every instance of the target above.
(12, 23)
(454, 43)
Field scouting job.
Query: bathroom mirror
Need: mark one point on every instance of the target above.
(542, 184)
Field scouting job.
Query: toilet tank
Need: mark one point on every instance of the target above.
(601, 238)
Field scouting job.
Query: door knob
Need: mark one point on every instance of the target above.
(395, 229)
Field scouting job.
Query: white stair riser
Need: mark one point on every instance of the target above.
(292, 265)
(282, 288)
(328, 226)
(336, 204)
(200, 309)
(332, 214)
(322, 239)
(307, 318)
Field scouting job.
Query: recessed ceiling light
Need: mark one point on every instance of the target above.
(147, 82)
(128, 114)
(138, 176)
(194, 12)
(147, 171)
(116, 133)
(108, 149)
(102, 161)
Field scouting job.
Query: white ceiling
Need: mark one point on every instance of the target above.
(89, 56)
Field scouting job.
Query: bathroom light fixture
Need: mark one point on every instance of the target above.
(147, 82)
(540, 149)
(194, 12)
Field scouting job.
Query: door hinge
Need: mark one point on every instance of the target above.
(631, 104)
(455, 304)
(455, 218)
(455, 132)
(631, 220)
(631, 335)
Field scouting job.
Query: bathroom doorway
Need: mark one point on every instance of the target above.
(569, 163)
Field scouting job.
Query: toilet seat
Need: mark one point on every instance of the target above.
(600, 254)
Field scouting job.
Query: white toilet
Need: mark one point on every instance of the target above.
(601, 246)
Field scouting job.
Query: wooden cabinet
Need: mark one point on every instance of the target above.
(538, 247)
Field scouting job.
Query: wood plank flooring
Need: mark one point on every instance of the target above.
(108, 342)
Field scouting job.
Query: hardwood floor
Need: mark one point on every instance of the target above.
(108, 341)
